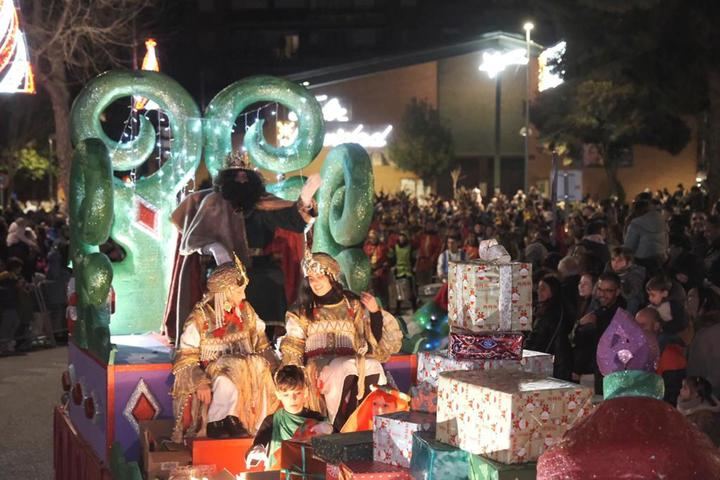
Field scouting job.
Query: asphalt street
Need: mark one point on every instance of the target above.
(29, 389)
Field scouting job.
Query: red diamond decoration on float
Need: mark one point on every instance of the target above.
(146, 215)
(141, 406)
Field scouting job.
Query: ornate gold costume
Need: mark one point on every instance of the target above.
(221, 339)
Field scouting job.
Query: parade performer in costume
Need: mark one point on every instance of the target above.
(239, 216)
(339, 337)
(632, 433)
(224, 361)
(292, 421)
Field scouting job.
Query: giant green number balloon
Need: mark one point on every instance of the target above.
(142, 211)
(345, 204)
(91, 212)
(223, 110)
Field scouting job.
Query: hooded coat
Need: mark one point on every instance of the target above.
(647, 236)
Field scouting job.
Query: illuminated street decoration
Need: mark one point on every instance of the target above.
(547, 78)
(377, 139)
(16, 75)
(150, 63)
(494, 62)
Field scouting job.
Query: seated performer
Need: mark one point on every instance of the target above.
(224, 361)
(339, 337)
(292, 420)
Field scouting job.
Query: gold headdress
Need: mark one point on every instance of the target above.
(228, 274)
(320, 264)
(236, 160)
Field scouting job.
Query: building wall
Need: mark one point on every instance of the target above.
(466, 99)
(652, 168)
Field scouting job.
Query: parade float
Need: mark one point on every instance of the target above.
(482, 408)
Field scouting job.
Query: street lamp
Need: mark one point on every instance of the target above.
(493, 63)
(528, 28)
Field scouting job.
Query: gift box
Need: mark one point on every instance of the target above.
(507, 416)
(484, 297)
(424, 398)
(392, 435)
(482, 468)
(431, 364)
(432, 460)
(466, 345)
(360, 470)
(344, 447)
(297, 461)
(157, 460)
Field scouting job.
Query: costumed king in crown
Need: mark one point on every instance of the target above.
(224, 361)
(237, 215)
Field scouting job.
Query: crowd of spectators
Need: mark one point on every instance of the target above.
(34, 274)
(657, 257)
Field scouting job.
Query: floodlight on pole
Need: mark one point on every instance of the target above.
(526, 160)
(493, 63)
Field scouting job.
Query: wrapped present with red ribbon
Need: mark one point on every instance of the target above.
(467, 345)
(364, 470)
(393, 433)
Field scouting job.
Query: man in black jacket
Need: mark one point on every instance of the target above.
(608, 295)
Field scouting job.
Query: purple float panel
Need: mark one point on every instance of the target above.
(91, 377)
(133, 387)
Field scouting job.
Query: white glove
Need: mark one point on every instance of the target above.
(311, 186)
(256, 456)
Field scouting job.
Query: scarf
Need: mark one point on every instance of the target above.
(285, 424)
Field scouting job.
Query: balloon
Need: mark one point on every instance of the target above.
(441, 326)
(222, 111)
(91, 209)
(141, 221)
(429, 315)
(432, 342)
(345, 209)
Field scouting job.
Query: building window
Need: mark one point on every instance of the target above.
(292, 44)
(206, 5)
(249, 4)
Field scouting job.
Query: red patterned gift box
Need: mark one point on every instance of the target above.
(510, 417)
(372, 471)
(484, 297)
(392, 435)
(424, 398)
(466, 345)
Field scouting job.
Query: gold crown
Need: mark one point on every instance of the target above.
(236, 159)
(226, 275)
(243, 278)
(320, 264)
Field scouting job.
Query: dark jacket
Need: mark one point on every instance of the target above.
(550, 334)
(647, 235)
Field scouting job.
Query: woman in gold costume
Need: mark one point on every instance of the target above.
(340, 338)
(224, 361)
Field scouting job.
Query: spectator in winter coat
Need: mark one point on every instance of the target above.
(632, 277)
(647, 237)
(704, 354)
(551, 327)
(701, 407)
(453, 253)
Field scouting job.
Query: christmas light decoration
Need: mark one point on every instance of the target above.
(495, 62)
(549, 77)
(16, 74)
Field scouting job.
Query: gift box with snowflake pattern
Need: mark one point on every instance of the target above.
(392, 435)
(507, 416)
(485, 297)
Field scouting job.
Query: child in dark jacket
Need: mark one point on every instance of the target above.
(672, 312)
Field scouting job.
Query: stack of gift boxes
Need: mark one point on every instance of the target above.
(484, 409)
(496, 407)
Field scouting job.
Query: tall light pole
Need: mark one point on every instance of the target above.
(528, 28)
(493, 64)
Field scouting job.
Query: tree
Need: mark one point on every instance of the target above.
(668, 47)
(422, 144)
(70, 42)
(611, 114)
